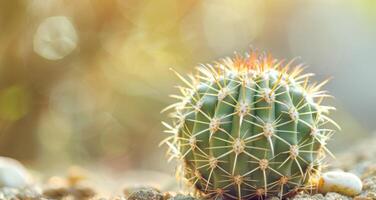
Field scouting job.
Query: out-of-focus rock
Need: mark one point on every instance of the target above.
(341, 182)
(369, 189)
(56, 193)
(55, 38)
(74, 186)
(13, 174)
(76, 192)
(83, 192)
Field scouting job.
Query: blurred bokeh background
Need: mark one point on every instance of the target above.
(83, 82)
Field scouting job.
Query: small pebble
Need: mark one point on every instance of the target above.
(182, 197)
(78, 192)
(304, 196)
(335, 196)
(340, 182)
(81, 192)
(30, 193)
(13, 174)
(8, 193)
(146, 194)
(362, 198)
(56, 192)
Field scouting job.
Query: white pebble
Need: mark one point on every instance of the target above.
(341, 182)
(55, 38)
(13, 174)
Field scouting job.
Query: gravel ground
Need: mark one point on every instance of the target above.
(359, 159)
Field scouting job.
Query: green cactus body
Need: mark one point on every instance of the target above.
(246, 127)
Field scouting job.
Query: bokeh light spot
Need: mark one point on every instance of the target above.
(55, 38)
(14, 103)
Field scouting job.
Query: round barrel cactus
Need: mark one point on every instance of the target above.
(251, 126)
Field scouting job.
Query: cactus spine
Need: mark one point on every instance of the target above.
(249, 127)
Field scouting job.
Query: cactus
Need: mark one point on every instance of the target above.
(249, 127)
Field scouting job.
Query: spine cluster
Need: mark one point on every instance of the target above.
(249, 127)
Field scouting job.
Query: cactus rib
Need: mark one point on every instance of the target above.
(249, 127)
